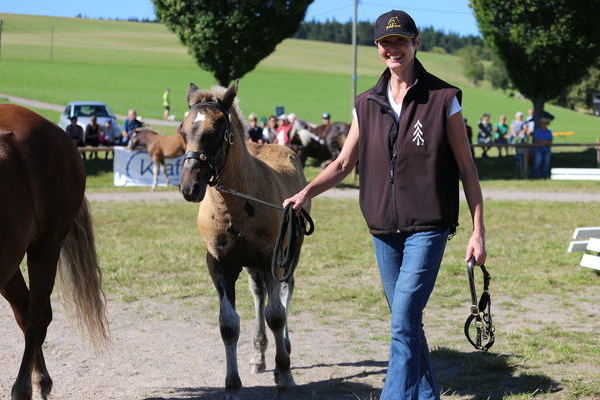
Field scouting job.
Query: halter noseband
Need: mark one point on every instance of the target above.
(227, 140)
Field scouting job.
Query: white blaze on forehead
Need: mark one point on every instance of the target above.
(200, 117)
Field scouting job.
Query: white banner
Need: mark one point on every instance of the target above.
(134, 168)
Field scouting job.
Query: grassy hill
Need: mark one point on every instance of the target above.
(128, 65)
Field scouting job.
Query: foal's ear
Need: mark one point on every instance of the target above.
(190, 93)
(230, 94)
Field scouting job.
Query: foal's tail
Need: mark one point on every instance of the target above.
(81, 279)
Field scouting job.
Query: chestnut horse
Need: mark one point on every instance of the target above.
(159, 147)
(45, 215)
(239, 233)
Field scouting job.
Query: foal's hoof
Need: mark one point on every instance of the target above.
(45, 385)
(283, 379)
(232, 394)
(21, 392)
(258, 368)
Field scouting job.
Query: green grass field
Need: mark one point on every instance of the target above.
(129, 65)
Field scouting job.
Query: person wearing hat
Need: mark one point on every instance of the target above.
(542, 136)
(75, 131)
(325, 119)
(282, 135)
(409, 134)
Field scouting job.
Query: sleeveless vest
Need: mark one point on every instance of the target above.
(408, 174)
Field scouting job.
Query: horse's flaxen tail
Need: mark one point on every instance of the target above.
(81, 279)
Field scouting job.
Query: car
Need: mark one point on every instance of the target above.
(84, 110)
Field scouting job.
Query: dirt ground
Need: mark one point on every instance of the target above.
(173, 351)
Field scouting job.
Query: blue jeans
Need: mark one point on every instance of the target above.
(408, 265)
(541, 164)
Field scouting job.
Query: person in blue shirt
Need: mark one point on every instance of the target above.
(542, 136)
(129, 126)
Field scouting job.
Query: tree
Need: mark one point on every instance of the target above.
(470, 58)
(497, 75)
(545, 45)
(230, 37)
(581, 94)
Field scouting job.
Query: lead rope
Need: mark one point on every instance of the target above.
(481, 312)
(286, 251)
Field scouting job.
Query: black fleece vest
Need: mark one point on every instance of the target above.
(408, 174)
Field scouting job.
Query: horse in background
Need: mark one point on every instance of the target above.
(236, 232)
(324, 143)
(159, 147)
(45, 215)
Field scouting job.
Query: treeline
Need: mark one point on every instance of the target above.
(337, 32)
(130, 19)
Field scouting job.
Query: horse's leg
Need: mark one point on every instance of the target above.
(17, 294)
(155, 168)
(229, 321)
(164, 169)
(41, 264)
(276, 318)
(258, 289)
(287, 290)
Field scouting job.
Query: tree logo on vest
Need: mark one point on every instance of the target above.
(418, 134)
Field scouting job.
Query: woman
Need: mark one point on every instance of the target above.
(410, 136)
(484, 133)
(501, 134)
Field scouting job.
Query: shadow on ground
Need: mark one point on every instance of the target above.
(328, 389)
(487, 376)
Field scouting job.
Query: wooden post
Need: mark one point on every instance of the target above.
(598, 153)
(525, 162)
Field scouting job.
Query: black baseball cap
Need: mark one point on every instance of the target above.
(395, 23)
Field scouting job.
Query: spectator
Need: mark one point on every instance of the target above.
(263, 122)
(108, 133)
(530, 124)
(167, 103)
(282, 135)
(92, 135)
(129, 126)
(470, 137)
(325, 119)
(542, 136)
(484, 133)
(518, 135)
(501, 134)
(254, 131)
(75, 132)
(270, 131)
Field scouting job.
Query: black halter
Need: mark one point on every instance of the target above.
(226, 141)
(481, 312)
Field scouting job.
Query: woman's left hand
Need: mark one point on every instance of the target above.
(476, 248)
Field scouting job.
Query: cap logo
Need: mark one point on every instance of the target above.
(393, 23)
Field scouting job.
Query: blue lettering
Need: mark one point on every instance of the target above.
(147, 169)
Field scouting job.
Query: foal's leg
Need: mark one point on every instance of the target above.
(155, 168)
(229, 321)
(258, 288)
(17, 294)
(287, 290)
(164, 169)
(276, 318)
(41, 263)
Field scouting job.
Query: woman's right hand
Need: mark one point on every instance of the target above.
(299, 199)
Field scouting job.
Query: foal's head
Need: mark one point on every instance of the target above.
(207, 133)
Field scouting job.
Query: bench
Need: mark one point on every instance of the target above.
(587, 240)
(578, 174)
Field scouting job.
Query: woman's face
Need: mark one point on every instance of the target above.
(397, 52)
